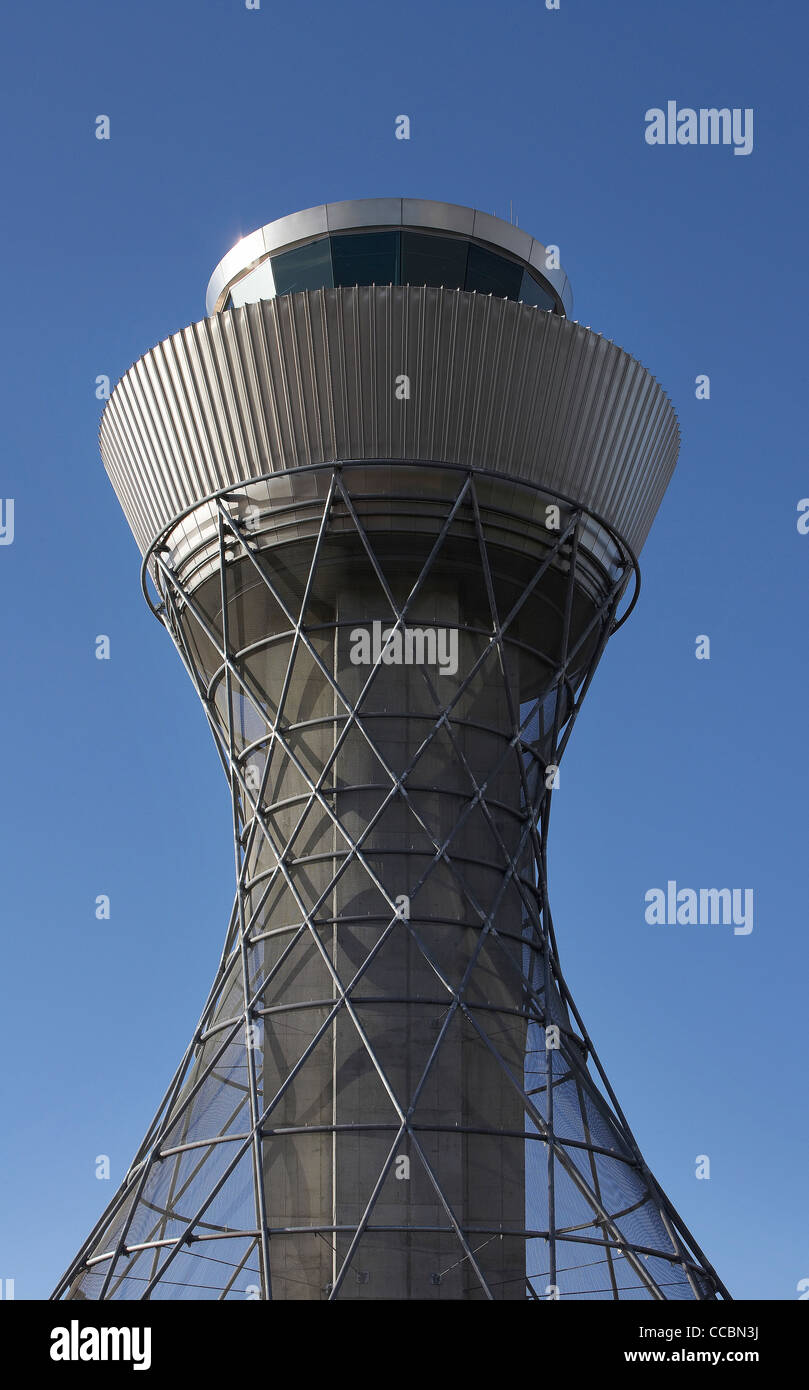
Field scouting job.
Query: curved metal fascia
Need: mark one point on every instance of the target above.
(310, 377)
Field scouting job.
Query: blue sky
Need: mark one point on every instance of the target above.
(691, 258)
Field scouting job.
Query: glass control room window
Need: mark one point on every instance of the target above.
(531, 292)
(491, 274)
(434, 260)
(366, 258)
(305, 268)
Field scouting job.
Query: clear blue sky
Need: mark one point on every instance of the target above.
(694, 260)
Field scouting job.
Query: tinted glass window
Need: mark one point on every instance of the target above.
(256, 285)
(306, 268)
(533, 293)
(367, 258)
(433, 260)
(491, 274)
(396, 258)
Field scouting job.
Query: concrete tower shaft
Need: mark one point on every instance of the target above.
(393, 790)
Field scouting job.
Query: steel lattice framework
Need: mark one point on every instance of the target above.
(390, 1091)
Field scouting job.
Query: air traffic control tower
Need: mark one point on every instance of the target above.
(390, 498)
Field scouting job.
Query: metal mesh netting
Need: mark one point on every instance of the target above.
(390, 1093)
